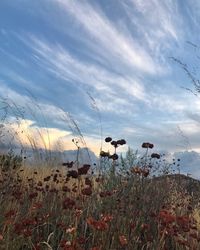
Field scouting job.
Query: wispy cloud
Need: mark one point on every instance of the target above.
(113, 89)
(159, 26)
(111, 43)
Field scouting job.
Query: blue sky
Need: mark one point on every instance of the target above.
(54, 52)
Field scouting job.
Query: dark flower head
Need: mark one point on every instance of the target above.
(104, 154)
(68, 164)
(108, 139)
(88, 182)
(147, 145)
(155, 155)
(114, 157)
(84, 169)
(87, 191)
(114, 143)
(72, 173)
(121, 142)
(151, 145)
(68, 203)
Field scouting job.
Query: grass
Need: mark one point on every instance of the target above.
(69, 208)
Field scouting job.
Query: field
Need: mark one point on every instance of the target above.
(121, 203)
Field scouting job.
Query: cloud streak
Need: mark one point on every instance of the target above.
(111, 43)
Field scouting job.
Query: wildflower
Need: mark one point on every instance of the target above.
(123, 240)
(166, 217)
(145, 227)
(68, 164)
(84, 170)
(132, 225)
(106, 218)
(88, 182)
(95, 248)
(145, 172)
(86, 191)
(40, 184)
(68, 203)
(105, 194)
(33, 195)
(71, 230)
(73, 174)
(65, 189)
(114, 143)
(47, 178)
(81, 240)
(155, 155)
(121, 142)
(104, 154)
(108, 139)
(10, 214)
(78, 212)
(147, 145)
(98, 225)
(36, 205)
(136, 170)
(194, 235)
(114, 157)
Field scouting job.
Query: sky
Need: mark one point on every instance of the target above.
(101, 63)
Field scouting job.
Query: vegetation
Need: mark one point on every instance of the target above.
(128, 204)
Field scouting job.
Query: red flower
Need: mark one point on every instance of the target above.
(107, 218)
(123, 240)
(10, 214)
(86, 191)
(166, 217)
(33, 195)
(68, 203)
(145, 227)
(98, 225)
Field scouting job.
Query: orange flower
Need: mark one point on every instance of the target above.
(145, 172)
(98, 225)
(136, 170)
(106, 218)
(166, 217)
